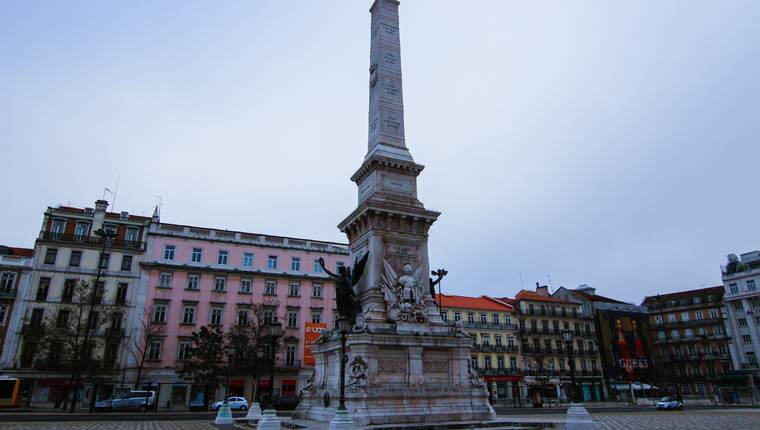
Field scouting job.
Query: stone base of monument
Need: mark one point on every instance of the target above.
(341, 420)
(396, 378)
(578, 418)
(268, 421)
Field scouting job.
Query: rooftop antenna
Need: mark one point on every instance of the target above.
(106, 190)
(522, 287)
(550, 279)
(115, 190)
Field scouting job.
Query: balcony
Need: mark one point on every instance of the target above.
(8, 293)
(93, 241)
(65, 365)
(750, 366)
(114, 332)
(288, 364)
(499, 372)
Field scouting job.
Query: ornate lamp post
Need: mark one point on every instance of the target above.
(342, 419)
(254, 412)
(269, 420)
(567, 336)
(224, 416)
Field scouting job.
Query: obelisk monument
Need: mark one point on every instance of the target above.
(404, 364)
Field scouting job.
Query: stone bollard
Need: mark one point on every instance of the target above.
(254, 413)
(269, 421)
(578, 418)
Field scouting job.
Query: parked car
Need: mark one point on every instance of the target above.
(236, 403)
(141, 400)
(669, 403)
(286, 403)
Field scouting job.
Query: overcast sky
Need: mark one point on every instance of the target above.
(608, 143)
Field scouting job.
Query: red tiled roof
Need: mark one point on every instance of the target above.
(688, 293)
(108, 214)
(22, 252)
(596, 297)
(535, 297)
(483, 303)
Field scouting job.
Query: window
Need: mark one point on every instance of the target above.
(116, 319)
(121, 293)
(268, 315)
(165, 280)
(154, 350)
(82, 229)
(292, 319)
(169, 252)
(290, 355)
(50, 255)
(495, 319)
(221, 258)
(470, 318)
(183, 351)
(457, 316)
(75, 259)
(672, 318)
(508, 321)
(717, 330)
(242, 317)
(316, 289)
(697, 300)
(58, 227)
(216, 316)
(36, 318)
(126, 263)
(498, 340)
(188, 315)
(245, 285)
(684, 316)
(688, 333)
(219, 284)
(293, 291)
(272, 262)
(487, 363)
(3, 313)
(295, 264)
(738, 306)
(751, 358)
(733, 288)
(714, 314)
(105, 260)
(248, 259)
(742, 322)
(746, 338)
(485, 339)
(445, 316)
(159, 313)
(658, 319)
(62, 319)
(513, 363)
(68, 290)
(130, 235)
(699, 315)
(270, 287)
(500, 363)
(754, 302)
(751, 285)
(317, 266)
(316, 316)
(193, 282)
(483, 319)
(474, 362)
(42, 289)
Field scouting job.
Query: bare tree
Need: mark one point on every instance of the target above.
(139, 344)
(78, 332)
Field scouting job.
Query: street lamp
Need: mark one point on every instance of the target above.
(567, 336)
(224, 416)
(269, 420)
(342, 419)
(254, 412)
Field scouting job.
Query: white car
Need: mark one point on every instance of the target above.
(669, 403)
(239, 403)
(142, 400)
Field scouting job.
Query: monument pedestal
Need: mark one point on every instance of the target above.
(398, 378)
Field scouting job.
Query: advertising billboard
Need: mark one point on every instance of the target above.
(313, 331)
(627, 347)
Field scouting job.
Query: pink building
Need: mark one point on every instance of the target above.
(195, 276)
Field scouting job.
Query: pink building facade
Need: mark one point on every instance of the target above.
(193, 277)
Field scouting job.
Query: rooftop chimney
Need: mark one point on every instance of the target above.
(99, 216)
(543, 289)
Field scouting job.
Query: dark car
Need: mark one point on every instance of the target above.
(286, 403)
